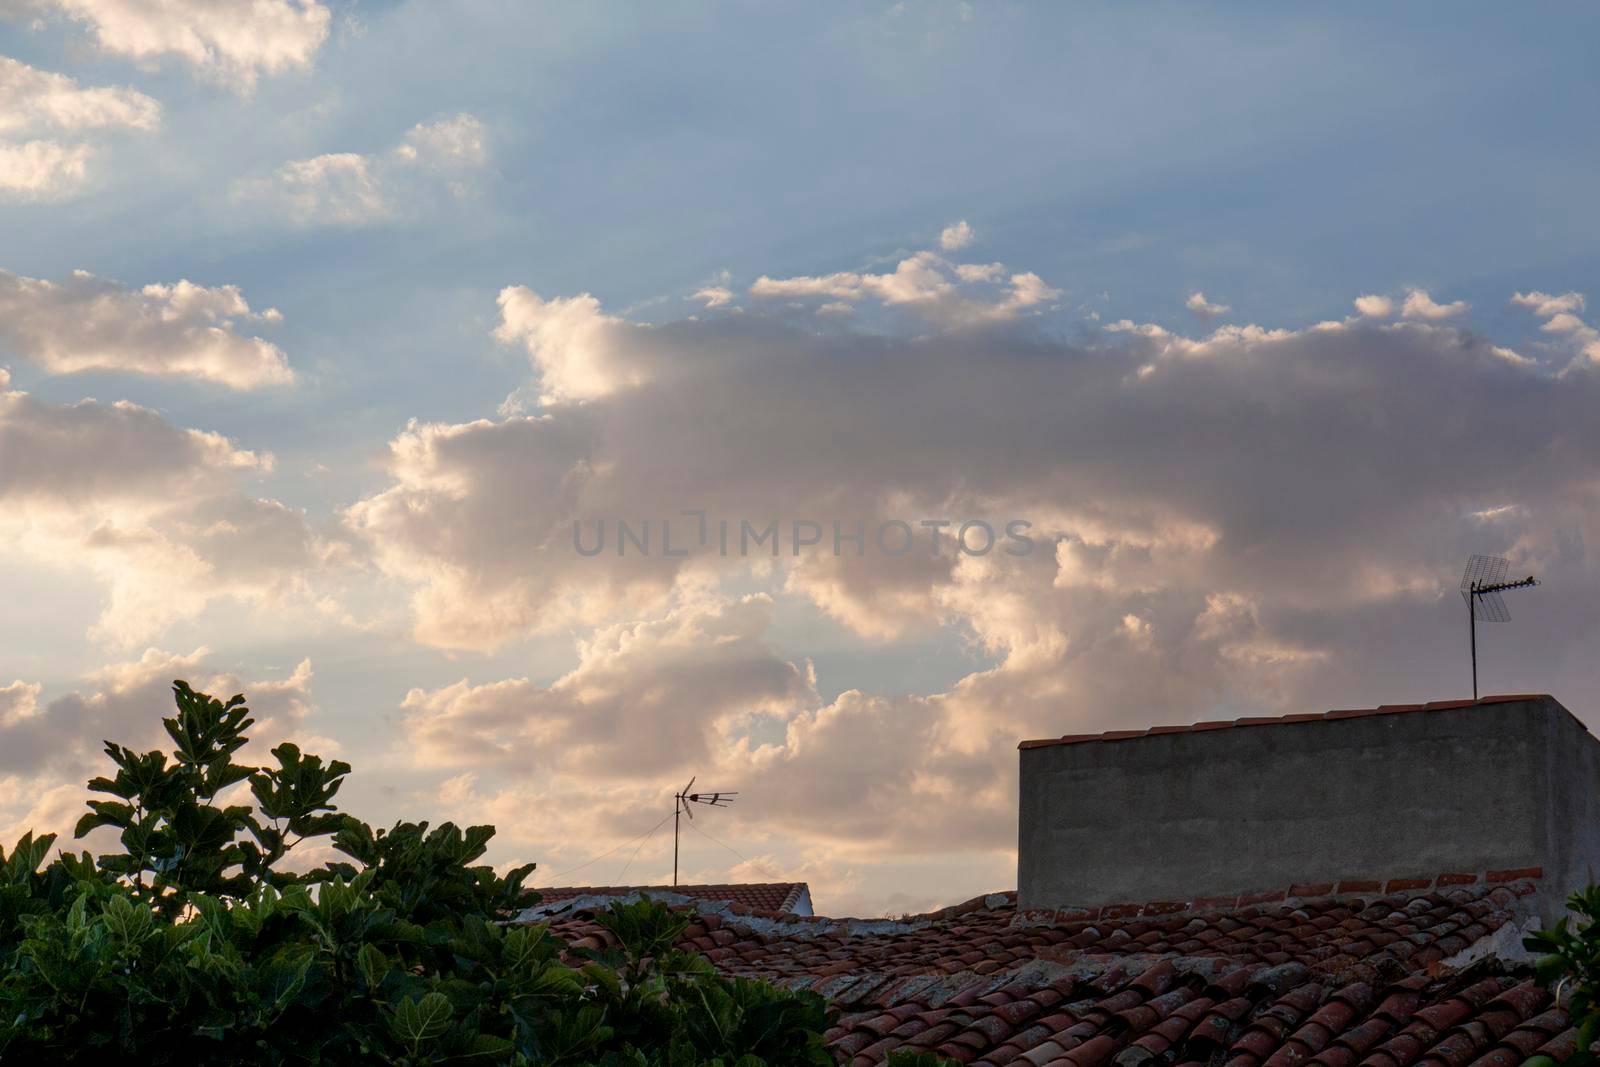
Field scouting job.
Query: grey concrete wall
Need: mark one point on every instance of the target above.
(1210, 813)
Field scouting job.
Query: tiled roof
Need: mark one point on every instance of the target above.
(764, 896)
(1274, 720)
(1414, 976)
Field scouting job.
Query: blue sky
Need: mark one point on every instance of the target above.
(1281, 161)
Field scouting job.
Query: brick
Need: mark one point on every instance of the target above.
(1514, 874)
(1360, 885)
(1315, 889)
(1456, 879)
(1164, 907)
(1395, 885)
(1264, 896)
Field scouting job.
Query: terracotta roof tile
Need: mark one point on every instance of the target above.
(763, 896)
(1314, 980)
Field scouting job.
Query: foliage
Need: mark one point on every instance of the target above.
(195, 944)
(901, 1058)
(1570, 961)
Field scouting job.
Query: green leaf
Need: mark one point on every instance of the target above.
(416, 1021)
(374, 965)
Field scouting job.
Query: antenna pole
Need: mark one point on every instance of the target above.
(677, 805)
(1472, 630)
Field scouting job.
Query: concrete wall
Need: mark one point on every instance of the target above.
(1209, 813)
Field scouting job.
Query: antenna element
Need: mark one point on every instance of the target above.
(1481, 586)
(680, 807)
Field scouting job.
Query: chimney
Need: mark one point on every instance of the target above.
(1492, 789)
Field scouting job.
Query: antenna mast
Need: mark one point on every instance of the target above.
(1481, 586)
(680, 807)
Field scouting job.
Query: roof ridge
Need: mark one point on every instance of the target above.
(1275, 720)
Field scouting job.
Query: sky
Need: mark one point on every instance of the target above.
(325, 326)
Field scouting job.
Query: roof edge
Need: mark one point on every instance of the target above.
(1278, 720)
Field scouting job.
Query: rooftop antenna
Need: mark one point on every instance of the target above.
(680, 807)
(1481, 586)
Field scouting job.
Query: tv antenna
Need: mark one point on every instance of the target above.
(1481, 586)
(680, 807)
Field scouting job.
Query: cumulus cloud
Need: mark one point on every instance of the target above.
(1547, 306)
(676, 686)
(1419, 305)
(232, 42)
(39, 105)
(153, 512)
(43, 170)
(172, 330)
(1373, 306)
(635, 424)
(1561, 320)
(32, 99)
(956, 236)
(1198, 304)
(956, 294)
(699, 690)
(351, 189)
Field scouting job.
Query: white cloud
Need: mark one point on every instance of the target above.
(926, 283)
(956, 236)
(43, 170)
(1545, 305)
(179, 330)
(232, 42)
(151, 512)
(1198, 304)
(1559, 313)
(32, 99)
(1374, 307)
(34, 102)
(351, 189)
(459, 141)
(675, 686)
(715, 296)
(1419, 305)
(337, 189)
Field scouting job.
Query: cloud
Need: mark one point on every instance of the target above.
(181, 329)
(715, 296)
(232, 42)
(956, 236)
(699, 690)
(352, 190)
(954, 294)
(43, 170)
(1374, 307)
(1561, 319)
(459, 141)
(32, 99)
(1198, 304)
(48, 750)
(1546, 306)
(152, 512)
(38, 104)
(1419, 305)
(675, 686)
